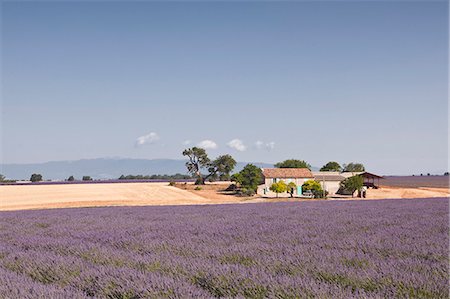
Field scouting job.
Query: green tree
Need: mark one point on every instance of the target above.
(221, 168)
(71, 178)
(314, 187)
(249, 177)
(36, 177)
(352, 184)
(331, 166)
(237, 178)
(353, 167)
(86, 178)
(291, 188)
(198, 159)
(278, 187)
(2, 177)
(292, 163)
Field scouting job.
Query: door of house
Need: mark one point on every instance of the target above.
(299, 190)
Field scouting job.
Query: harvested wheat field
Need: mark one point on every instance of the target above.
(146, 194)
(90, 195)
(393, 192)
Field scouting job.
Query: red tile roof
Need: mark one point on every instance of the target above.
(287, 173)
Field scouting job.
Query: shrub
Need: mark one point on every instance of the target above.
(279, 187)
(231, 187)
(314, 187)
(351, 184)
(198, 188)
(291, 188)
(36, 177)
(247, 192)
(172, 183)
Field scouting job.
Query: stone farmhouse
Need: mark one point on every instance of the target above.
(329, 180)
(273, 175)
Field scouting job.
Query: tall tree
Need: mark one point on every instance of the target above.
(293, 163)
(36, 177)
(331, 166)
(221, 168)
(249, 177)
(352, 184)
(2, 177)
(198, 159)
(71, 178)
(353, 167)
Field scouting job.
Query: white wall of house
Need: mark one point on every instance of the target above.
(298, 181)
(269, 181)
(331, 186)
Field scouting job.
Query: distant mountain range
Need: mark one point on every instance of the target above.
(102, 168)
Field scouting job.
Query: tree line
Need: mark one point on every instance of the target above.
(177, 176)
(330, 166)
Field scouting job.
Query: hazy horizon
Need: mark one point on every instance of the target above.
(150, 171)
(263, 81)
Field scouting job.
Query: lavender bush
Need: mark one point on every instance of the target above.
(339, 249)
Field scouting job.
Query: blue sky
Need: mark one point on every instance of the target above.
(264, 81)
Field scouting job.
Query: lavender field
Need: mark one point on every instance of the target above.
(338, 249)
(433, 181)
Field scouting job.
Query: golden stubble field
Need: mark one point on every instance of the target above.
(90, 195)
(142, 194)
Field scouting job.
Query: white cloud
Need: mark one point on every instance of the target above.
(237, 144)
(147, 139)
(207, 144)
(187, 142)
(270, 145)
(264, 145)
(259, 144)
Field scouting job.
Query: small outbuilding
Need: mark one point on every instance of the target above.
(371, 180)
(329, 180)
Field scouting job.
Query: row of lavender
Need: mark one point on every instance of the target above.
(340, 249)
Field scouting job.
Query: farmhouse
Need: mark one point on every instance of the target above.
(273, 175)
(329, 180)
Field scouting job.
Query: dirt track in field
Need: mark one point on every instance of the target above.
(89, 195)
